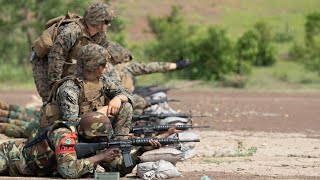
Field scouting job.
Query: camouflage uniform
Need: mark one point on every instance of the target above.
(61, 61)
(57, 145)
(75, 96)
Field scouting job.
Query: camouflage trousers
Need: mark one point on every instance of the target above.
(12, 160)
(121, 123)
(41, 78)
(139, 104)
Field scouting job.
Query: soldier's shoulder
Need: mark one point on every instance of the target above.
(72, 28)
(69, 84)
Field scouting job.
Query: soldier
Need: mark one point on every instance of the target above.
(89, 90)
(57, 144)
(61, 61)
(129, 70)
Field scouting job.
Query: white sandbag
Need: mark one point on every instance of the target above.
(160, 108)
(168, 154)
(157, 170)
(185, 135)
(173, 120)
(157, 96)
(189, 154)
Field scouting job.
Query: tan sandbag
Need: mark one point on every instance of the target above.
(168, 154)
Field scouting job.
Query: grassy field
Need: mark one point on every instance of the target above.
(236, 16)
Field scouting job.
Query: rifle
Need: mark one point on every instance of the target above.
(147, 131)
(16, 122)
(158, 101)
(154, 117)
(87, 149)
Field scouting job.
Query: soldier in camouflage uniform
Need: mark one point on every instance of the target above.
(61, 61)
(89, 90)
(57, 144)
(129, 70)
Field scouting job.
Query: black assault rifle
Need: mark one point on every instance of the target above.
(147, 131)
(87, 149)
(154, 117)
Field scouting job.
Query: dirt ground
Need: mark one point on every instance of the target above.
(253, 135)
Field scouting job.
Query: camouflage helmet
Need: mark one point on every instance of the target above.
(91, 56)
(98, 13)
(118, 52)
(95, 124)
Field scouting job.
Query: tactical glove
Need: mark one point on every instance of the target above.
(182, 63)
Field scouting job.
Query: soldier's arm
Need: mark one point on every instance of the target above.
(137, 69)
(68, 100)
(114, 88)
(68, 166)
(62, 45)
(112, 73)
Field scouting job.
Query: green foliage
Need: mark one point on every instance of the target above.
(241, 151)
(22, 21)
(283, 36)
(312, 29)
(214, 56)
(266, 53)
(211, 52)
(309, 53)
(172, 36)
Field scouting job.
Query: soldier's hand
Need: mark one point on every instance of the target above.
(114, 106)
(173, 130)
(154, 145)
(183, 63)
(110, 154)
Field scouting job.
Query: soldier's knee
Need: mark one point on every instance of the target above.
(127, 107)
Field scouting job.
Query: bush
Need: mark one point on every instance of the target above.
(266, 53)
(312, 29)
(211, 52)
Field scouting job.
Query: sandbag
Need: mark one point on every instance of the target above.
(157, 170)
(173, 121)
(168, 154)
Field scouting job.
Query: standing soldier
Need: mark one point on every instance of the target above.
(89, 90)
(61, 60)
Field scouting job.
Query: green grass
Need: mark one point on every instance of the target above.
(283, 76)
(16, 77)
